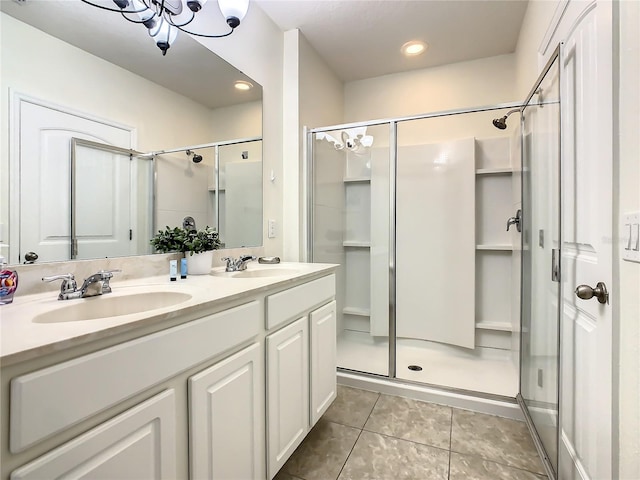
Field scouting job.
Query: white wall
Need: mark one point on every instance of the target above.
(528, 60)
(256, 48)
(312, 97)
(628, 281)
(238, 121)
(460, 85)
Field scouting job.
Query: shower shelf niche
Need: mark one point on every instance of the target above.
(356, 244)
(361, 312)
(494, 171)
(497, 247)
(500, 326)
(357, 180)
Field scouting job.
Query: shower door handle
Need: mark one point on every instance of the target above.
(585, 292)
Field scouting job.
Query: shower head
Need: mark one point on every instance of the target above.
(196, 158)
(501, 122)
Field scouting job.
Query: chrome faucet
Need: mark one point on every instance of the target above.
(96, 284)
(239, 264)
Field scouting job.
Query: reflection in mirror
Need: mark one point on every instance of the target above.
(239, 193)
(107, 83)
(111, 201)
(188, 185)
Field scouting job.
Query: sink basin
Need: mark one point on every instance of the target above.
(104, 306)
(257, 272)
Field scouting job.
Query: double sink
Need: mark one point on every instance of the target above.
(123, 301)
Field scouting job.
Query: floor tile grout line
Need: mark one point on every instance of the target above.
(499, 463)
(388, 435)
(405, 440)
(350, 452)
(358, 438)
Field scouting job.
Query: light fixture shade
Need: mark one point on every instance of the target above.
(195, 5)
(144, 13)
(164, 34)
(233, 11)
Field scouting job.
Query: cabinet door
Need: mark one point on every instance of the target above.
(288, 391)
(323, 360)
(139, 443)
(226, 418)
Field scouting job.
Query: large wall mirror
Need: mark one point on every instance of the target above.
(186, 143)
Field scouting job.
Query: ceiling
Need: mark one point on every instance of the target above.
(357, 38)
(362, 38)
(188, 68)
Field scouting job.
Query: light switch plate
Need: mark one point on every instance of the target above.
(630, 235)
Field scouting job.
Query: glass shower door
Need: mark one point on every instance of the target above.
(541, 240)
(350, 215)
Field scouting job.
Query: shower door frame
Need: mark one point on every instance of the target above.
(393, 163)
(548, 465)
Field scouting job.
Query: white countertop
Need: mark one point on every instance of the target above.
(22, 339)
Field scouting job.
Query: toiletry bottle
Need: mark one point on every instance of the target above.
(183, 268)
(8, 283)
(173, 270)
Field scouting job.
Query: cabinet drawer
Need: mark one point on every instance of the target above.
(291, 303)
(52, 399)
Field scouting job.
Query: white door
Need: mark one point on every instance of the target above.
(44, 146)
(103, 204)
(323, 360)
(139, 443)
(226, 418)
(288, 392)
(586, 383)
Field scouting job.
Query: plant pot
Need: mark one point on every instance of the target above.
(199, 263)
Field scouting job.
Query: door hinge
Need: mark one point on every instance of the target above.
(130, 234)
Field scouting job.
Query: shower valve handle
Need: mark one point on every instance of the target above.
(517, 221)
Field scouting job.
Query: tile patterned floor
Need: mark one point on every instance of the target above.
(370, 436)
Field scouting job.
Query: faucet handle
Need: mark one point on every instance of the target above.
(247, 258)
(68, 285)
(107, 274)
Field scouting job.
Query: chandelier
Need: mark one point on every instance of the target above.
(163, 18)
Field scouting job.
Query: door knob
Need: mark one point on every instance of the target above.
(30, 257)
(585, 292)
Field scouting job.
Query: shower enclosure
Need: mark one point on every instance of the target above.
(447, 227)
(416, 210)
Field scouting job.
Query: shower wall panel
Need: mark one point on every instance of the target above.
(435, 242)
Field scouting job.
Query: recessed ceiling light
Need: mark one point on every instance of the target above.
(242, 85)
(414, 47)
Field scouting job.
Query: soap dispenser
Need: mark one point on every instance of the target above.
(8, 282)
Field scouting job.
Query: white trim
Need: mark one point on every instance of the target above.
(434, 395)
(546, 43)
(15, 101)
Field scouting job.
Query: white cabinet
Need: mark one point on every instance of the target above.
(186, 401)
(226, 418)
(287, 392)
(139, 443)
(323, 360)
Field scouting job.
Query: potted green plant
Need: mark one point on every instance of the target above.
(203, 240)
(169, 240)
(200, 245)
(197, 246)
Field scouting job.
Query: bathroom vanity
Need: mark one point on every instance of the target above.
(223, 380)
